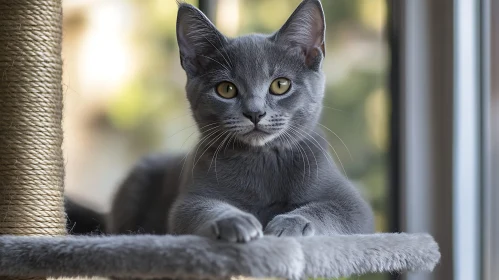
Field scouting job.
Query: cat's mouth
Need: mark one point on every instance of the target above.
(256, 130)
(257, 136)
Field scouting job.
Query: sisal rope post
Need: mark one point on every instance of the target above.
(31, 163)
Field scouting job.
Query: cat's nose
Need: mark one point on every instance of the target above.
(255, 117)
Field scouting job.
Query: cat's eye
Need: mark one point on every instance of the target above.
(280, 86)
(227, 90)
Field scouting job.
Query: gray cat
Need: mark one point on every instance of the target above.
(261, 165)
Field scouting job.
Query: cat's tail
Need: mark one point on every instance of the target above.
(82, 220)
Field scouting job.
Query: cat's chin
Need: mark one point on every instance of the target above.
(257, 138)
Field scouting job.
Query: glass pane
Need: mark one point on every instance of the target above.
(125, 88)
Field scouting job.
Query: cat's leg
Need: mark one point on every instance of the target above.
(213, 218)
(347, 213)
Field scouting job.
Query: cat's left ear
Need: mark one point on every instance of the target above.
(305, 29)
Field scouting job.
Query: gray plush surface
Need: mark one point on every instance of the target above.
(197, 257)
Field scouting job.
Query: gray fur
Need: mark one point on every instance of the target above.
(146, 256)
(238, 183)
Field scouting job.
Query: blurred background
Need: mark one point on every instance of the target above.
(124, 87)
(393, 101)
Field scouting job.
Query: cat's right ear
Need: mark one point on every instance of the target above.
(197, 38)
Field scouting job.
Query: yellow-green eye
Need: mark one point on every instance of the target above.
(280, 86)
(227, 90)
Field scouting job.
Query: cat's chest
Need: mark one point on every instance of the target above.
(265, 168)
(264, 177)
(276, 177)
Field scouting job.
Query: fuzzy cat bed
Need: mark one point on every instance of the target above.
(150, 256)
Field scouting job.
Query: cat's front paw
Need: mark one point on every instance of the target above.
(241, 228)
(289, 225)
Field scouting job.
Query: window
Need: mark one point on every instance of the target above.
(444, 54)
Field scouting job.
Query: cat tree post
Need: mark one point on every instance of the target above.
(31, 163)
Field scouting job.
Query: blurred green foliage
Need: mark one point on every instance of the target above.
(356, 103)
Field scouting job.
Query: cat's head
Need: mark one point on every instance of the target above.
(258, 88)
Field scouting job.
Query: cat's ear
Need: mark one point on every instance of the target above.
(197, 38)
(305, 29)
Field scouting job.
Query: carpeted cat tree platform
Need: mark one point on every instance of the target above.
(196, 257)
(32, 220)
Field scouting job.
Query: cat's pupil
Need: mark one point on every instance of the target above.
(229, 88)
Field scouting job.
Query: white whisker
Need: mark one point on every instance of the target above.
(316, 163)
(215, 61)
(199, 145)
(216, 154)
(332, 108)
(210, 144)
(348, 150)
(313, 154)
(232, 137)
(299, 150)
(324, 152)
(228, 57)
(218, 51)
